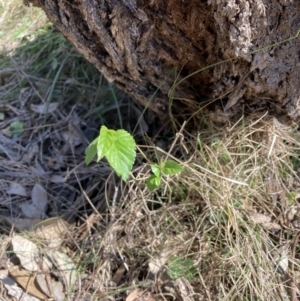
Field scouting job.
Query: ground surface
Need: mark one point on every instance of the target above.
(226, 228)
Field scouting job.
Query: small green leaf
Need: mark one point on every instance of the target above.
(171, 168)
(104, 142)
(291, 196)
(91, 152)
(117, 146)
(16, 128)
(153, 182)
(181, 267)
(121, 153)
(156, 170)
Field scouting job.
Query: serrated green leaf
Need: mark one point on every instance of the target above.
(117, 146)
(171, 168)
(121, 153)
(104, 142)
(156, 170)
(153, 182)
(181, 267)
(119, 149)
(91, 152)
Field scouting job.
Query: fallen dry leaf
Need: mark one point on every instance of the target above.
(31, 211)
(57, 291)
(265, 221)
(65, 266)
(119, 274)
(52, 232)
(139, 295)
(36, 209)
(16, 189)
(44, 108)
(39, 197)
(26, 279)
(57, 179)
(50, 287)
(26, 251)
(13, 289)
(134, 295)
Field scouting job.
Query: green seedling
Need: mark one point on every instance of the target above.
(118, 147)
(15, 129)
(169, 167)
(181, 267)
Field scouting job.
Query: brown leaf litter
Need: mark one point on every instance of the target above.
(43, 175)
(40, 170)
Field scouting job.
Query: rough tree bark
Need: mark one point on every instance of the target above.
(145, 46)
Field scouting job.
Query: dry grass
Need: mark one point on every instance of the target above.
(19, 24)
(224, 229)
(233, 211)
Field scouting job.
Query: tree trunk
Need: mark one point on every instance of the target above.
(147, 47)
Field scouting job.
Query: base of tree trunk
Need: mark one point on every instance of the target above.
(150, 49)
